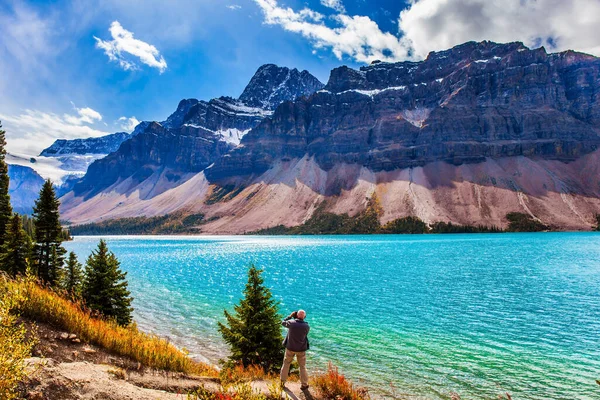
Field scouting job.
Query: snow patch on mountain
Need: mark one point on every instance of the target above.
(233, 135)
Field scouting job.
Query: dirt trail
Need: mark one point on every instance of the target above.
(65, 368)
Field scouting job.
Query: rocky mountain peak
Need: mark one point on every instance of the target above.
(468, 58)
(475, 101)
(176, 119)
(271, 85)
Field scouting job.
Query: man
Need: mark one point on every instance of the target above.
(296, 344)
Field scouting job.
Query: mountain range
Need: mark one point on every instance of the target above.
(465, 136)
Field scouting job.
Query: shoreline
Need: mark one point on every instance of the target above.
(243, 235)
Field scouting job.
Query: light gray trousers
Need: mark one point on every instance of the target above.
(287, 361)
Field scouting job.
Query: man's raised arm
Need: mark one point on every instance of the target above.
(286, 321)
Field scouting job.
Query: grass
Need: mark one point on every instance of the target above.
(241, 391)
(15, 346)
(44, 305)
(238, 373)
(334, 385)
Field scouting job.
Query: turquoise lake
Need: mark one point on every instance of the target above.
(418, 315)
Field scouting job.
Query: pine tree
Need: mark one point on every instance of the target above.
(16, 249)
(29, 226)
(105, 286)
(5, 207)
(57, 261)
(254, 332)
(73, 277)
(48, 253)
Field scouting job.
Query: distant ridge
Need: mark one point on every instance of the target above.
(466, 136)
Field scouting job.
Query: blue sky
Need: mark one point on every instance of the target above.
(78, 68)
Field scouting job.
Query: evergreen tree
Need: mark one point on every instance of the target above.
(105, 286)
(29, 226)
(16, 249)
(57, 261)
(254, 331)
(73, 277)
(5, 207)
(48, 253)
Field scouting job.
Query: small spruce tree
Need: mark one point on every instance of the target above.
(16, 249)
(253, 332)
(105, 287)
(5, 207)
(48, 252)
(73, 277)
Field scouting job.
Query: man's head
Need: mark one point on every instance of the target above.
(301, 314)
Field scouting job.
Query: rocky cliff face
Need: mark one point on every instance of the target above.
(24, 188)
(463, 105)
(195, 135)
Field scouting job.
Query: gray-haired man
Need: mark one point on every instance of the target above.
(296, 344)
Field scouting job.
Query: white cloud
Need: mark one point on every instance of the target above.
(84, 115)
(32, 131)
(355, 36)
(557, 24)
(335, 4)
(124, 43)
(430, 25)
(234, 7)
(128, 124)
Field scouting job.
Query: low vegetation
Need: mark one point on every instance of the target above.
(367, 222)
(449, 227)
(405, 225)
(334, 385)
(597, 223)
(520, 222)
(239, 391)
(161, 225)
(326, 223)
(15, 345)
(223, 193)
(45, 305)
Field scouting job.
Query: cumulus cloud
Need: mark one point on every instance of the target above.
(335, 4)
(84, 115)
(234, 7)
(355, 36)
(128, 124)
(124, 44)
(32, 131)
(430, 25)
(557, 24)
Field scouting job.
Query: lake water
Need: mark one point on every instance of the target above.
(419, 315)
